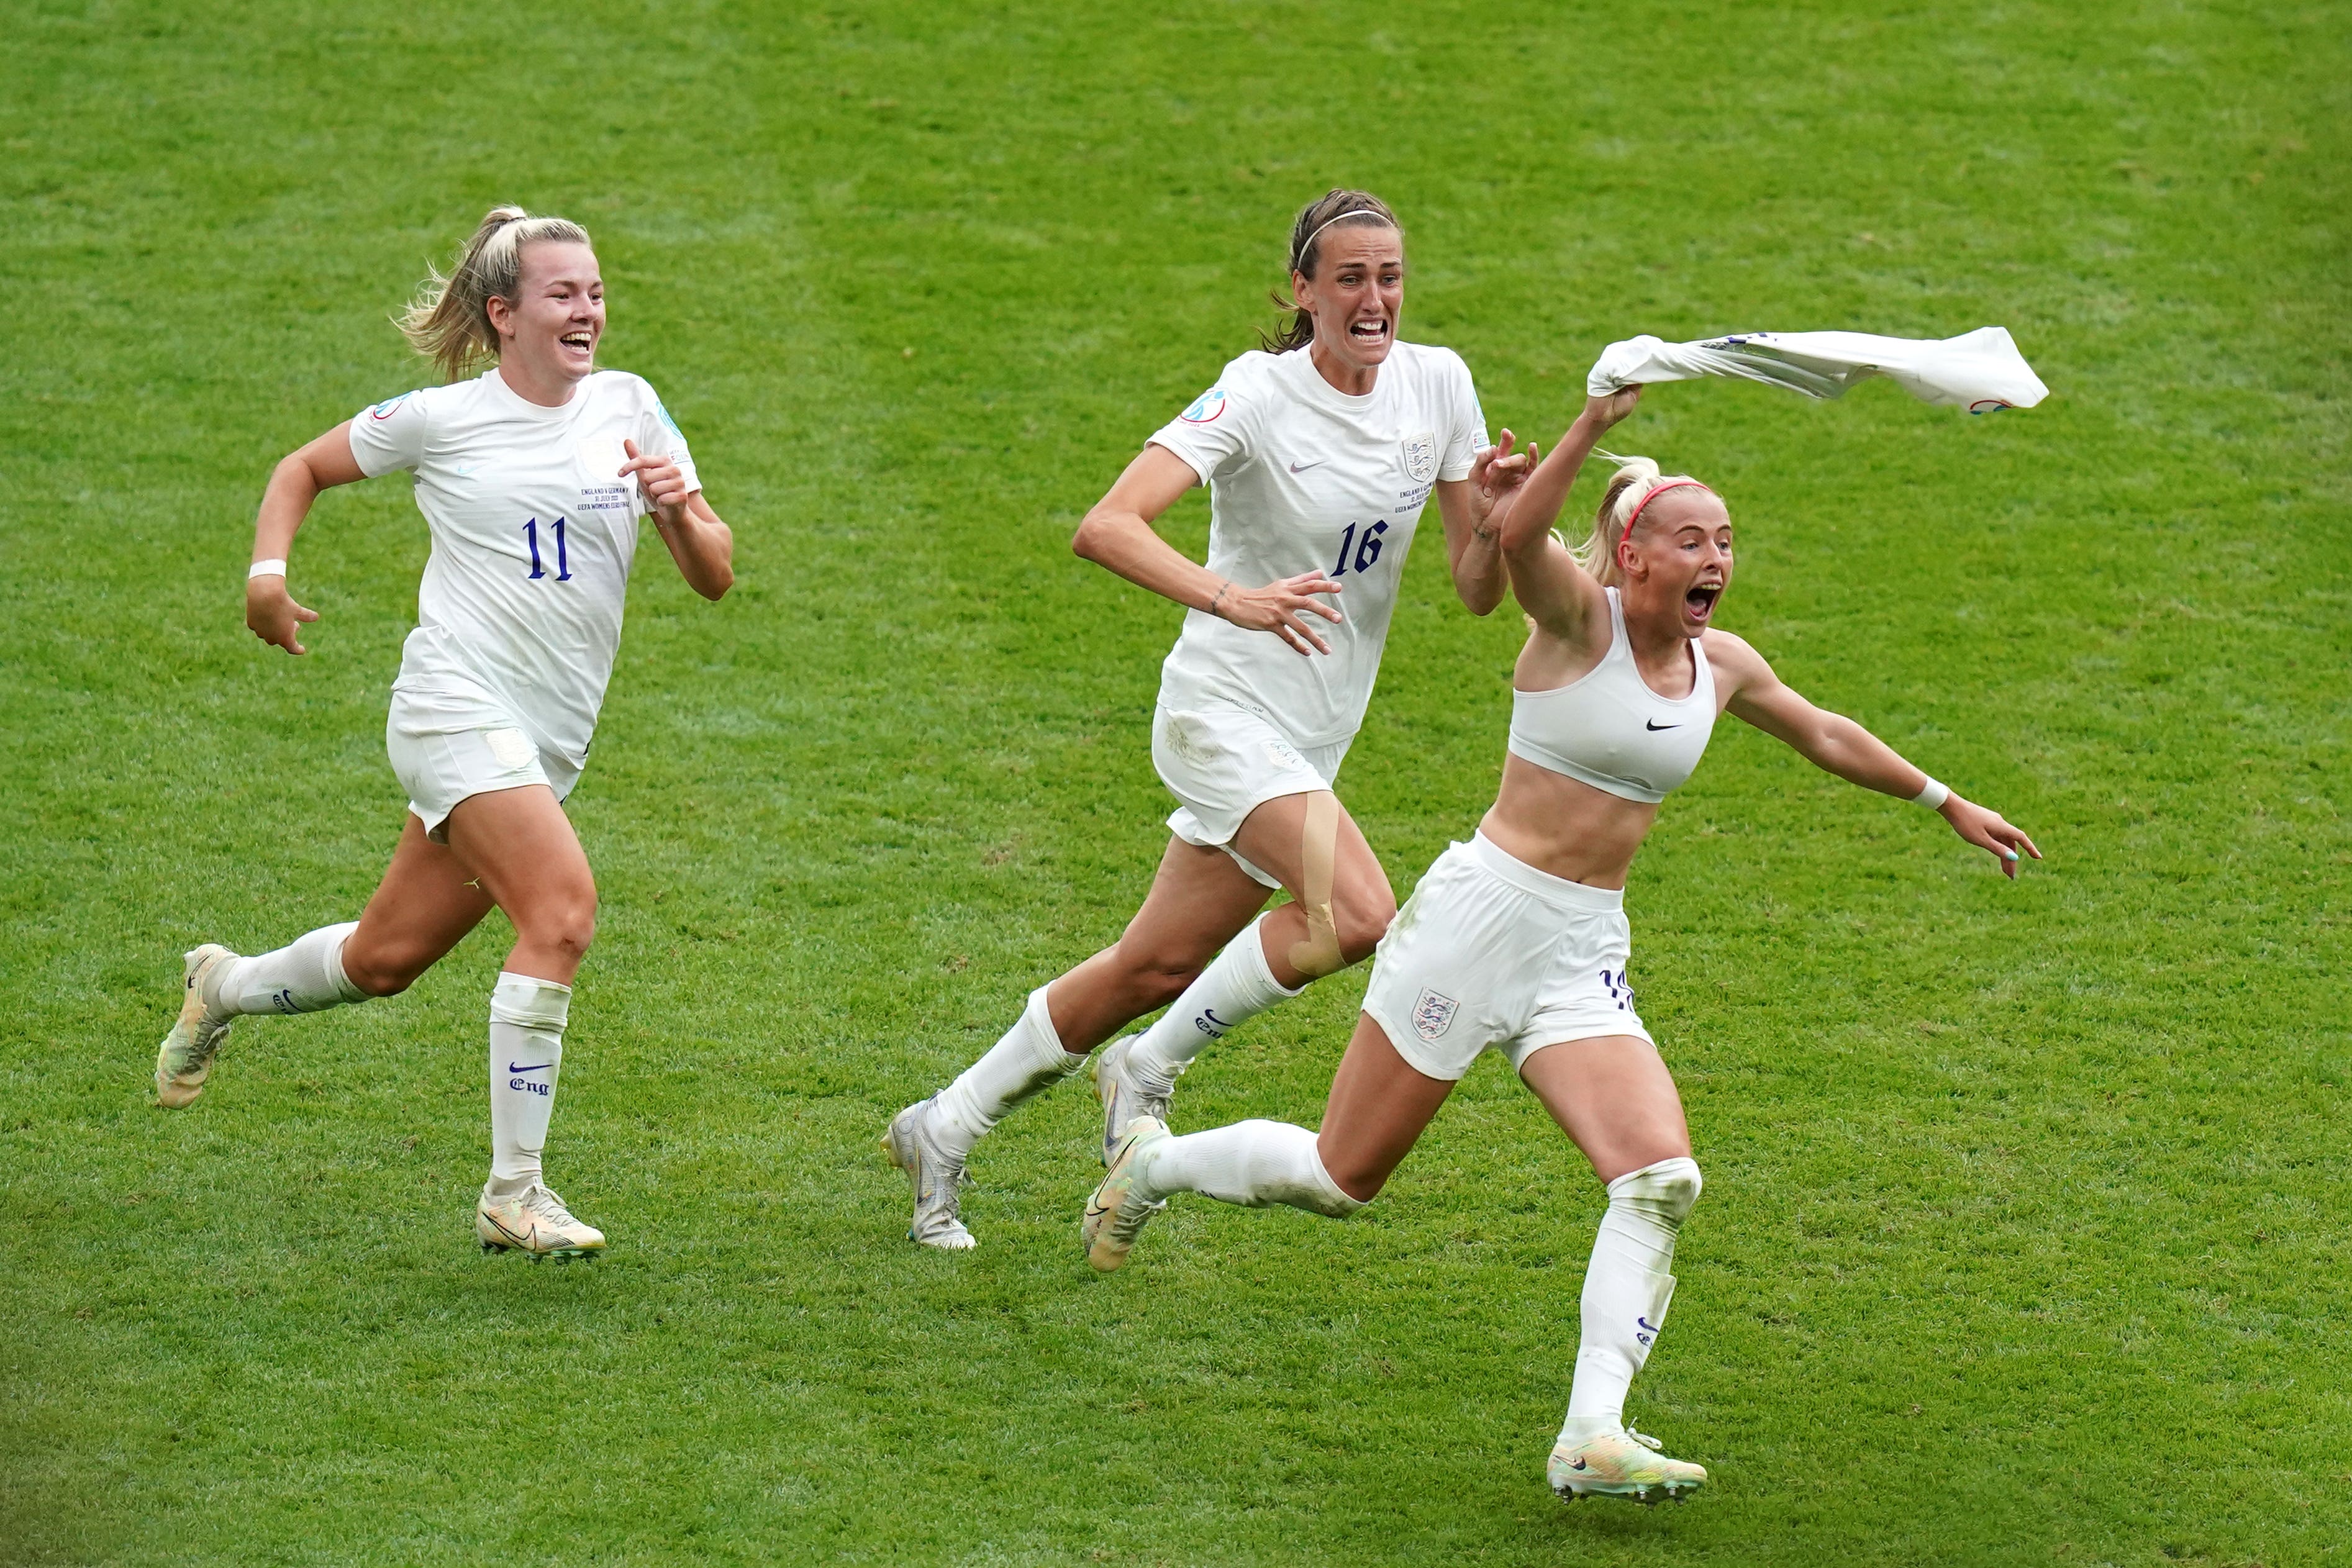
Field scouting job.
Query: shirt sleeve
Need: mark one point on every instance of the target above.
(657, 435)
(390, 435)
(1466, 423)
(1213, 433)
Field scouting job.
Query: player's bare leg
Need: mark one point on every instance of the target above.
(524, 856)
(1613, 1096)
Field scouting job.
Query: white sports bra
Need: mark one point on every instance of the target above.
(1607, 727)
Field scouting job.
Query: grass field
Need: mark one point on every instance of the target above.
(2022, 1240)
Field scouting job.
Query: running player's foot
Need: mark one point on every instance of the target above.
(186, 1059)
(1117, 1212)
(534, 1221)
(937, 1177)
(1621, 1464)
(1127, 1091)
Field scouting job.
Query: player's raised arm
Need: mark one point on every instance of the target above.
(270, 611)
(1473, 510)
(1836, 744)
(1551, 583)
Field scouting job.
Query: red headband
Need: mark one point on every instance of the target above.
(1669, 485)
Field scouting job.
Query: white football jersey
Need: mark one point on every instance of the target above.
(534, 534)
(1305, 477)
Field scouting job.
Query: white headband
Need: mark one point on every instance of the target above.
(1351, 213)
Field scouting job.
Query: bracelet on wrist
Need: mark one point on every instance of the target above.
(265, 569)
(1933, 796)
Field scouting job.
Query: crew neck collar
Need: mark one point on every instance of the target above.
(521, 404)
(1316, 388)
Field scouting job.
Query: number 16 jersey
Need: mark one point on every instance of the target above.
(1305, 477)
(534, 534)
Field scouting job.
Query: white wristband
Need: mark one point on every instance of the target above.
(1933, 796)
(266, 569)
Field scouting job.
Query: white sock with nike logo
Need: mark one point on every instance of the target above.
(526, 1018)
(304, 977)
(1626, 1290)
(1236, 987)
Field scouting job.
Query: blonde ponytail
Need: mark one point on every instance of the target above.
(1636, 479)
(448, 322)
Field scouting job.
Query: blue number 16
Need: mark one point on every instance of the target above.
(1368, 548)
(562, 555)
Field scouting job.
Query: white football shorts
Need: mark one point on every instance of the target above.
(1489, 951)
(1223, 763)
(449, 741)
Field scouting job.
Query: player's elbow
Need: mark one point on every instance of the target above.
(715, 582)
(1086, 544)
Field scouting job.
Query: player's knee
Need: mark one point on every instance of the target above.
(1359, 924)
(1667, 1189)
(565, 925)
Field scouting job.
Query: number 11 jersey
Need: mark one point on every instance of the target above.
(1305, 477)
(534, 534)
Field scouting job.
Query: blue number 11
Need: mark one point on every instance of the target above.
(562, 555)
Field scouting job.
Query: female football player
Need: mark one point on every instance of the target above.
(1320, 455)
(1517, 939)
(533, 478)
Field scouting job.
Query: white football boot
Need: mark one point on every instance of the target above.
(534, 1222)
(936, 1176)
(186, 1059)
(1127, 1091)
(1116, 1213)
(1625, 1464)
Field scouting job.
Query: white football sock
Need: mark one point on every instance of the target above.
(1029, 1059)
(526, 1018)
(1626, 1288)
(304, 977)
(1250, 1163)
(1236, 987)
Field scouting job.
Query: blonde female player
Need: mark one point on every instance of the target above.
(533, 478)
(1319, 457)
(1517, 939)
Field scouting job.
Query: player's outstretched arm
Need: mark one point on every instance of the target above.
(1835, 744)
(1116, 536)
(269, 610)
(1550, 586)
(702, 545)
(1475, 509)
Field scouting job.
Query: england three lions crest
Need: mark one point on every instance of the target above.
(1432, 1014)
(1419, 458)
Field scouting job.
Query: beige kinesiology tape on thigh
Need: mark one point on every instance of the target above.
(1318, 853)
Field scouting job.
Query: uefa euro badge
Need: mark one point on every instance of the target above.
(1432, 1014)
(1421, 457)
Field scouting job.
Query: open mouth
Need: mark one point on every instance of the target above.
(580, 339)
(1369, 334)
(1699, 603)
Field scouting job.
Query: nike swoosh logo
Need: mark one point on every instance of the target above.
(512, 1068)
(1577, 1465)
(1655, 724)
(1303, 467)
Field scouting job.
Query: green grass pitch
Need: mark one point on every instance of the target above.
(2023, 1240)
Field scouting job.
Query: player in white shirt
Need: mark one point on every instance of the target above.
(1319, 457)
(533, 478)
(1517, 941)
